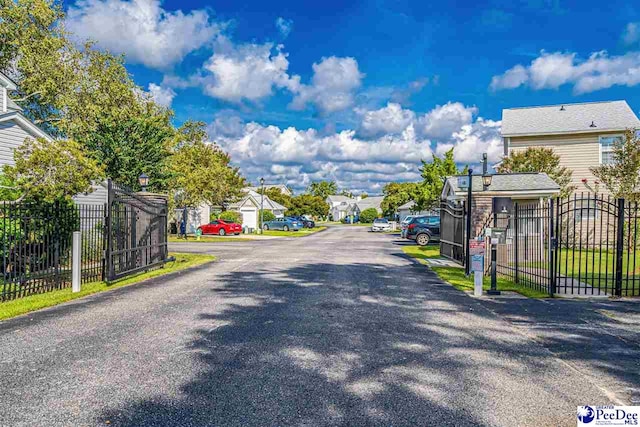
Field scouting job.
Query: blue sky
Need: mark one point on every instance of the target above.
(360, 91)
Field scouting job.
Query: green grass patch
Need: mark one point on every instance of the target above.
(300, 233)
(423, 252)
(208, 239)
(455, 275)
(35, 302)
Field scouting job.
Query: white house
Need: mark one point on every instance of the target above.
(368, 202)
(338, 206)
(249, 207)
(14, 126)
(409, 209)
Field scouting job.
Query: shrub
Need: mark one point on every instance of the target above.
(231, 216)
(266, 216)
(368, 215)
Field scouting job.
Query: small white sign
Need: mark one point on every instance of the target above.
(589, 416)
(463, 182)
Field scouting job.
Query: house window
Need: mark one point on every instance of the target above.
(585, 210)
(606, 148)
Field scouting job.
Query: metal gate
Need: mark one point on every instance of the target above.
(136, 228)
(452, 230)
(582, 245)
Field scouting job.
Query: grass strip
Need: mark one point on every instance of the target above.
(455, 275)
(35, 302)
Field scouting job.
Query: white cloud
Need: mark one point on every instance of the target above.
(482, 136)
(332, 87)
(142, 29)
(284, 26)
(390, 119)
(552, 70)
(631, 33)
(246, 72)
(298, 156)
(444, 120)
(162, 95)
(511, 79)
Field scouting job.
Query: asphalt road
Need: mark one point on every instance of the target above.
(338, 328)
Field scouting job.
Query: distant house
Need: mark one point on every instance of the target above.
(338, 206)
(249, 207)
(14, 126)
(368, 202)
(582, 135)
(282, 187)
(409, 209)
(525, 188)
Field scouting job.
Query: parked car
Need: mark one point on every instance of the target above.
(221, 227)
(350, 220)
(306, 223)
(381, 224)
(284, 224)
(404, 224)
(424, 229)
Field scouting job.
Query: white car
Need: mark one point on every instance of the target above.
(381, 224)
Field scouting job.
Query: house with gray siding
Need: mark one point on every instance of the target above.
(14, 126)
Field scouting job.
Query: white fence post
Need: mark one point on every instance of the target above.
(76, 262)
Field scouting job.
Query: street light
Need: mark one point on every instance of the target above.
(143, 180)
(486, 180)
(262, 204)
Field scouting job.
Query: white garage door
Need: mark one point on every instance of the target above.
(249, 218)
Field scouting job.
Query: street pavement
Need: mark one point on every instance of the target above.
(337, 328)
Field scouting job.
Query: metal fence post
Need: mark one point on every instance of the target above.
(552, 250)
(467, 258)
(516, 237)
(619, 246)
(107, 252)
(76, 262)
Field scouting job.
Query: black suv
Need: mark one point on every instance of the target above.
(306, 223)
(424, 229)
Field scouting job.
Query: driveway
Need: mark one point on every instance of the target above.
(338, 328)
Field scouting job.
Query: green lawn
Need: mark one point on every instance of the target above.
(35, 302)
(208, 239)
(596, 267)
(299, 233)
(455, 275)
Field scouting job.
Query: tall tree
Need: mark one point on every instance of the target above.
(397, 194)
(539, 159)
(622, 177)
(278, 196)
(52, 170)
(202, 172)
(323, 188)
(434, 175)
(307, 204)
(135, 145)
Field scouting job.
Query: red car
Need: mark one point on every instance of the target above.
(221, 227)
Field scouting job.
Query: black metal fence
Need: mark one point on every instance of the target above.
(586, 244)
(123, 236)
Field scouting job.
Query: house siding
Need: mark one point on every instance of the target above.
(578, 152)
(11, 137)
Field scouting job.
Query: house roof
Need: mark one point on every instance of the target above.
(282, 187)
(525, 182)
(569, 118)
(370, 202)
(256, 198)
(5, 81)
(409, 205)
(336, 198)
(25, 124)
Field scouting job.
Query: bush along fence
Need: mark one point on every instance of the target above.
(123, 236)
(586, 244)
